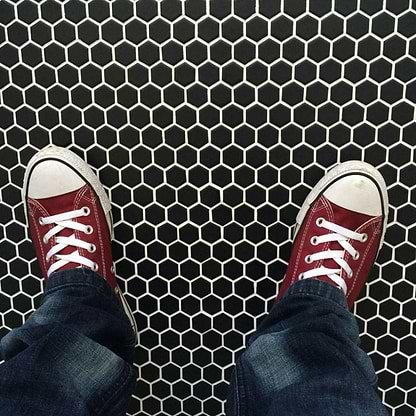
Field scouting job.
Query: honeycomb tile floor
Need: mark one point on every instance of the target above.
(209, 122)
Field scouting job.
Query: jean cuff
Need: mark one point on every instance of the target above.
(78, 277)
(315, 287)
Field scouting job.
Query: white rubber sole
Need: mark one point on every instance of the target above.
(346, 168)
(81, 167)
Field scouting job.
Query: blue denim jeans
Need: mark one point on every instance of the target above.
(305, 359)
(74, 356)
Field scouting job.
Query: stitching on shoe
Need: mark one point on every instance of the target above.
(100, 239)
(305, 232)
(367, 225)
(77, 200)
(302, 243)
(33, 207)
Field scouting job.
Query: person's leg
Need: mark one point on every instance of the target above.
(305, 358)
(73, 356)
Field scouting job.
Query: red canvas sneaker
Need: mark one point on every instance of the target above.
(69, 216)
(340, 229)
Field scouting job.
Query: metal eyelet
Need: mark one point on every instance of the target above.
(350, 275)
(300, 277)
(356, 256)
(112, 270)
(92, 248)
(308, 259)
(41, 221)
(86, 211)
(45, 240)
(319, 221)
(364, 237)
(95, 267)
(314, 241)
(89, 230)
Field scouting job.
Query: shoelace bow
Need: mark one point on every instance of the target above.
(62, 221)
(342, 235)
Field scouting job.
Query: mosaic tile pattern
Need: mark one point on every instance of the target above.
(208, 122)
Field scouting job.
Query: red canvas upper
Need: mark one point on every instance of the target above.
(83, 197)
(354, 221)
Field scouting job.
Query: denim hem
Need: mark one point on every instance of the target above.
(319, 288)
(78, 276)
(112, 397)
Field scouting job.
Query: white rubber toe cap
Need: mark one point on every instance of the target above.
(357, 193)
(51, 178)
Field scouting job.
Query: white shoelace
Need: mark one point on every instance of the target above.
(63, 221)
(341, 235)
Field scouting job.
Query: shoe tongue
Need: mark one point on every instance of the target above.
(344, 218)
(58, 205)
(347, 218)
